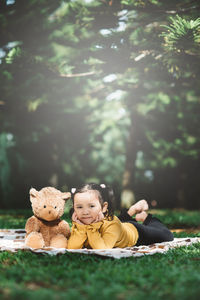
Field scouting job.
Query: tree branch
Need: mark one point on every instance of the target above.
(77, 75)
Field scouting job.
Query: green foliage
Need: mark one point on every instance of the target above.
(158, 101)
(13, 54)
(181, 42)
(182, 34)
(141, 3)
(6, 141)
(87, 85)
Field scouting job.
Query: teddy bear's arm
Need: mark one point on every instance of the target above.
(32, 224)
(64, 228)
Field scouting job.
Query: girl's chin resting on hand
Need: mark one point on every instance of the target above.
(87, 220)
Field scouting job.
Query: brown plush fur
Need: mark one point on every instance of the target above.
(46, 228)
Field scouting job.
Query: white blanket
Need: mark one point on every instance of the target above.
(13, 240)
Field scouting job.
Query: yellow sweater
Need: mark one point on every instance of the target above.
(103, 235)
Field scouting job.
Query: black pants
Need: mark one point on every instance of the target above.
(151, 231)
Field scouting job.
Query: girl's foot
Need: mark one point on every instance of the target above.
(141, 216)
(138, 207)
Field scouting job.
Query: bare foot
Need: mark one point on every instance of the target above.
(141, 216)
(138, 207)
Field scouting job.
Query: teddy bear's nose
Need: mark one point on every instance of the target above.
(49, 211)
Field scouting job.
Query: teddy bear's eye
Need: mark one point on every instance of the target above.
(44, 206)
(55, 206)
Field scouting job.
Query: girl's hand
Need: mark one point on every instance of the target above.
(99, 218)
(75, 219)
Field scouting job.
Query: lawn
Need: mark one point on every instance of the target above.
(175, 275)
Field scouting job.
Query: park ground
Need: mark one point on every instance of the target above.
(175, 275)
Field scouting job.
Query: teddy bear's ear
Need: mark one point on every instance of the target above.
(33, 193)
(66, 196)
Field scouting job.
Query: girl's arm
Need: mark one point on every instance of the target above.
(105, 240)
(78, 236)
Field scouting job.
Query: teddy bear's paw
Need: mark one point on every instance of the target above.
(35, 240)
(58, 241)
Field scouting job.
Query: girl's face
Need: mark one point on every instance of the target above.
(87, 206)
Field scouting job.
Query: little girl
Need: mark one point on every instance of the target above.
(95, 226)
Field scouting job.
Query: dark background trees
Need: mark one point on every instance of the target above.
(100, 91)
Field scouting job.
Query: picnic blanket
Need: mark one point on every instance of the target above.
(13, 240)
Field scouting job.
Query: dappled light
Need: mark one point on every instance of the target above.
(103, 91)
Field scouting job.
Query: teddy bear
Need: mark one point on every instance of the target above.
(45, 228)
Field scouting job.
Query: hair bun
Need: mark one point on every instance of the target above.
(73, 190)
(102, 185)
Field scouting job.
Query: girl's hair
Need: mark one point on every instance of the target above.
(105, 194)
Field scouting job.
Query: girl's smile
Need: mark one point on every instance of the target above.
(88, 207)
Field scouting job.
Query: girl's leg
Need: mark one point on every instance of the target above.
(151, 231)
(139, 209)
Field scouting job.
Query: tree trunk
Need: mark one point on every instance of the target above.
(127, 195)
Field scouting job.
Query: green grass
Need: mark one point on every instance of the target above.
(175, 275)
(179, 218)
